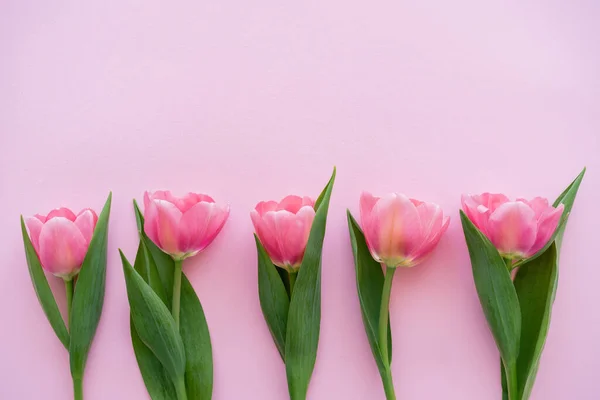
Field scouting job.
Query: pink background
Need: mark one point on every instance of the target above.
(254, 100)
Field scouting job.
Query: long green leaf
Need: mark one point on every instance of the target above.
(496, 292)
(42, 289)
(164, 263)
(154, 324)
(536, 283)
(157, 381)
(273, 296)
(193, 326)
(304, 317)
(88, 298)
(369, 285)
(567, 197)
(196, 340)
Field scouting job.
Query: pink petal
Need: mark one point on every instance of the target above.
(268, 237)
(200, 225)
(265, 206)
(539, 205)
(62, 212)
(430, 242)
(546, 227)
(493, 200)
(157, 195)
(288, 234)
(34, 226)
(295, 233)
(396, 222)
(189, 200)
(513, 228)
(62, 247)
(291, 203)
(431, 217)
(86, 222)
(161, 225)
(366, 204)
(40, 217)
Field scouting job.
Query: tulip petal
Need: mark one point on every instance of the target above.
(34, 225)
(200, 225)
(493, 200)
(294, 233)
(547, 224)
(191, 199)
(62, 247)
(61, 212)
(396, 222)
(431, 217)
(478, 213)
(366, 204)
(539, 205)
(161, 225)
(265, 206)
(513, 228)
(292, 203)
(86, 222)
(430, 242)
(268, 236)
(158, 195)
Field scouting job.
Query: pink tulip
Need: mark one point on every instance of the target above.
(61, 239)
(182, 226)
(400, 232)
(283, 229)
(518, 229)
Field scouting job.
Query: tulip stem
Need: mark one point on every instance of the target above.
(293, 276)
(77, 389)
(384, 312)
(180, 390)
(69, 291)
(176, 292)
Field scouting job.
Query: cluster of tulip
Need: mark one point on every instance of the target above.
(513, 247)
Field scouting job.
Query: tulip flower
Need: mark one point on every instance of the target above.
(518, 229)
(182, 227)
(283, 229)
(401, 232)
(61, 239)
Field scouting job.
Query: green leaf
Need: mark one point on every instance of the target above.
(534, 284)
(196, 341)
(369, 285)
(304, 316)
(193, 326)
(163, 262)
(42, 289)
(157, 381)
(88, 298)
(154, 324)
(567, 197)
(496, 292)
(273, 295)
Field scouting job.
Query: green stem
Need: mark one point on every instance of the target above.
(388, 384)
(69, 291)
(180, 389)
(384, 312)
(77, 389)
(176, 292)
(293, 276)
(513, 388)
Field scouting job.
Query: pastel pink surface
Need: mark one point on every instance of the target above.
(255, 100)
